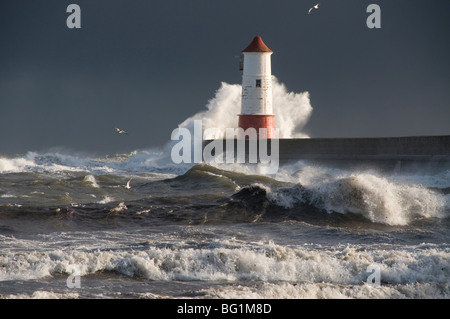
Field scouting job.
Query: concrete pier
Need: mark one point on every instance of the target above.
(387, 153)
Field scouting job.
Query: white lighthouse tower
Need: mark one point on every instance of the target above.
(256, 107)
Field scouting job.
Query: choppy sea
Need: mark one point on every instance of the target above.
(137, 226)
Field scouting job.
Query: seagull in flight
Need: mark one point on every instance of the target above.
(314, 7)
(128, 184)
(121, 131)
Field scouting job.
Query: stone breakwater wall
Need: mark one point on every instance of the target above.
(383, 152)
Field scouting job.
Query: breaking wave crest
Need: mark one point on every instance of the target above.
(151, 160)
(232, 260)
(377, 198)
(374, 198)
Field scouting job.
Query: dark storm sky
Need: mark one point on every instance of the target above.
(146, 65)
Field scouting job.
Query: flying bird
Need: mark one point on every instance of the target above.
(121, 131)
(314, 7)
(128, 184)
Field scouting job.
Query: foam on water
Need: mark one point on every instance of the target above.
(91, 179)
(381, 199)
(13, 165)
(329, 291)
(49, 162)
(106, 200)
(231, 260)
(39, 294)
(441, 180)
(152, 160)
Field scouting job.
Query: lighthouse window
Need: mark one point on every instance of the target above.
(258, 83)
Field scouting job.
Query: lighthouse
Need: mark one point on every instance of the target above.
(256, 107)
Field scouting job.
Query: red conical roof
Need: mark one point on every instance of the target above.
(257, 45)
